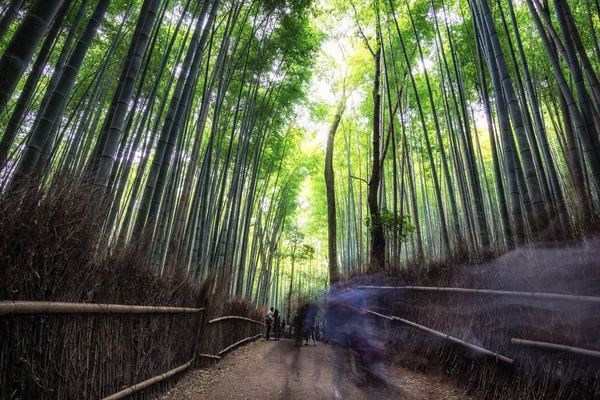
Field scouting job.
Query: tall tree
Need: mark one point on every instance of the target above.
(334, 273)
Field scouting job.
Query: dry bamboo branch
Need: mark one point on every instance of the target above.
(235, 317)
(554, 346)
(225, 350)
(533, 295)
(447, 337)
(140, 386)
(49, 307)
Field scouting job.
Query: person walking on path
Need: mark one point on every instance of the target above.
(309, 322)
(299, 325)
(277, 324)
(269, 322)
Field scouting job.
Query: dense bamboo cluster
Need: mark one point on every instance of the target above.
(464, 126)
(480, 121)
(178, 111)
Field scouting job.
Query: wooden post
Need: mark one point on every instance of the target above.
(199, 329)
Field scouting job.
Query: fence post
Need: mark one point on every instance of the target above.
(199, 329)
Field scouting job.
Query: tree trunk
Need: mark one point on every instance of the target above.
(334, 273)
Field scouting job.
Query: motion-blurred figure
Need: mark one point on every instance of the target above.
(318, 334)
(269, 322)
(299, 325)
(277, 324)
(349, 330)
(309, 322)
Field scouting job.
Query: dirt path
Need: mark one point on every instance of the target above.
(277, 370)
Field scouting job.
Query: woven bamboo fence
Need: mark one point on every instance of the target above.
(58, 350)
(466, 330)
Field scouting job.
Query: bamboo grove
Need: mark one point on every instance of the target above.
(473, 126)
(179, 111)
(458, 126)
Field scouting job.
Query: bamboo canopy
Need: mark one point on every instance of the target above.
(533, 295)
(447, 337)
(149, 382)
(49, 307)
(225, 350)
(555, 346)
(235, 317)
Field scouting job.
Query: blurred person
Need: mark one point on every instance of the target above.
(269, 322)
(349, 330)
(277, 324)
(309, 322)
(299, 325)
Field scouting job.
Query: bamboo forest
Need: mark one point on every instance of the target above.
(438, 159)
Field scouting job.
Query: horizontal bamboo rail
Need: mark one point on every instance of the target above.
(208, 356)
(235, 317)
(149, 382)
(446, 337)
(225, 350)
(533, 295)
(49, 307)
(555, 346)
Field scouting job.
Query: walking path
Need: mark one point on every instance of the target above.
(277, 370)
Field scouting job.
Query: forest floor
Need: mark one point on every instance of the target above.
(268, 370)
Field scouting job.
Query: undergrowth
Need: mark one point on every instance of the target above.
(491, 321)
(53, 248)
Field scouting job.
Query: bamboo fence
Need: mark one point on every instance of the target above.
(248, 339)
(204, 344)
(149, 382)
(531, 295)
(446, 337)
(49, 307)
(208, 356)
(555, 346)
(230, 317)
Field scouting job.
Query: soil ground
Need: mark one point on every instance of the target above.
(268, 370)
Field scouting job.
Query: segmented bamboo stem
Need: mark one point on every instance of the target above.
(533, 295)
(235, 317)
(49, 307)
(225, 350)
(555, 346)
(149, 382)
(447, 337)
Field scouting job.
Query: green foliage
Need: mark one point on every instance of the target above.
(399, 224)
